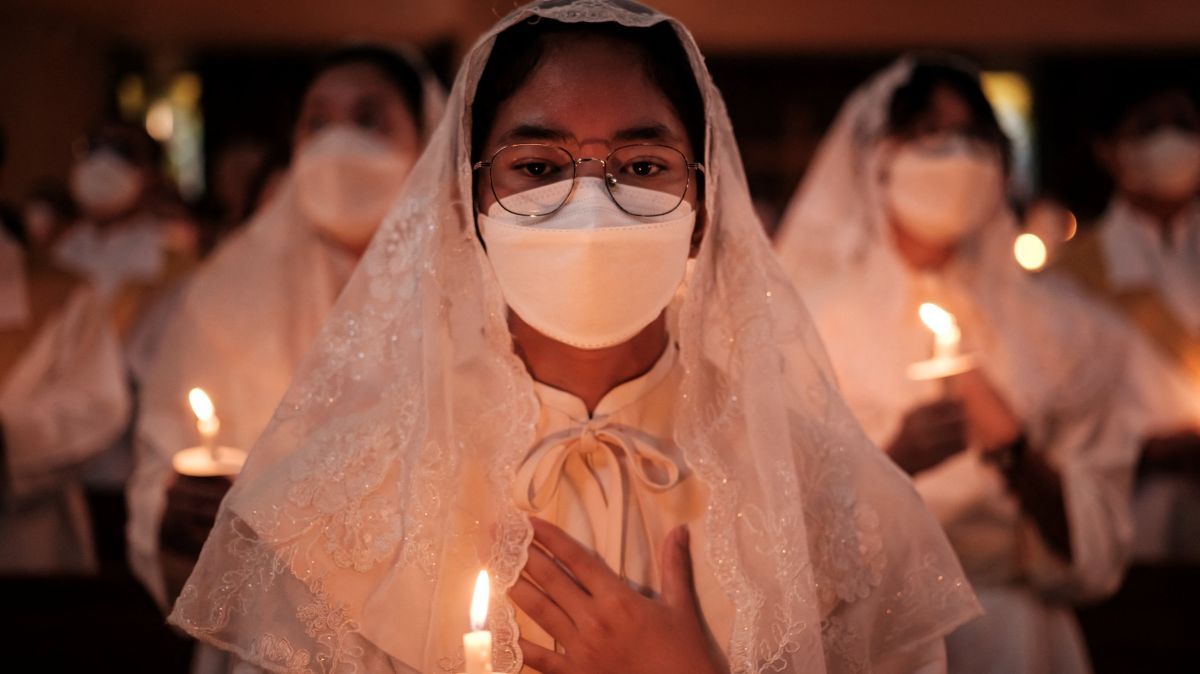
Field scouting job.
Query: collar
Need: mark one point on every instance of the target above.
(620, 397)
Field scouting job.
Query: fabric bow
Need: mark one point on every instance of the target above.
(602, 476)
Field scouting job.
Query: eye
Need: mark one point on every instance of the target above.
(645, 168)
(533, 168)
(314, 123)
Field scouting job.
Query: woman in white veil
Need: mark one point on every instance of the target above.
(1026, 459)
(398, 463)
(252, 311)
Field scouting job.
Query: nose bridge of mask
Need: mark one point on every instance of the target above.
(1172, 144)
(343, 139)
(590, 206)
(1166, 162)
(955, 169)
(347, 178)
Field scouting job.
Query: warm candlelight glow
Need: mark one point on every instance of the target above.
(479, 602)
(939, 321)
(477, 644)
(1030, 251)
(209, 459)
(206, 419)
(201, 404)
(947, 360)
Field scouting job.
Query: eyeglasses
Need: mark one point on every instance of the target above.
(534, 179)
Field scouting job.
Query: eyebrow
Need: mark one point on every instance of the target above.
(527, 132)
(652, 131)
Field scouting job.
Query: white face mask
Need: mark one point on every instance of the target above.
(940, 194)
(1164, 164)
(590, 275)
(104, 184)
(346, 180)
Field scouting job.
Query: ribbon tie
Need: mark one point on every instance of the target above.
(602, 477)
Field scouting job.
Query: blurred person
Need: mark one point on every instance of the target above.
(252, 310)
(1026, 459)
(62, 401)
(1143, 258)
(134, 244)
(523, 375)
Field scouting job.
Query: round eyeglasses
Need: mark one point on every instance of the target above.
(533, 179)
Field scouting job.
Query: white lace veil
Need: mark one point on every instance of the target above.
(381, 487)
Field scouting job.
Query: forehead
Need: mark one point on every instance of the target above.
(589, 88)
(348, 81)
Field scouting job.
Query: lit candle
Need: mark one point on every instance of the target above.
(946, 335)
(477, 644)
(209, 459)
(206, 419)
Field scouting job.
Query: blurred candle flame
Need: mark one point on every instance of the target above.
(939, 321)
(1030, 251)
(201, 404)
(479, 602)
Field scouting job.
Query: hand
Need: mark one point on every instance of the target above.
(990, 421)
(191, 511)
(603, 624)
(929, 435)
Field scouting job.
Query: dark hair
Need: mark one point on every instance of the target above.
(518, 50)
(1130, 90)
(914, 99)
(399, 71)
(125, 138)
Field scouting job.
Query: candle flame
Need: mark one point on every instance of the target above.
(938, 320)
(1030, 251)
(479, 602)
(201, 404)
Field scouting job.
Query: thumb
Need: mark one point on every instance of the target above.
(676, 563)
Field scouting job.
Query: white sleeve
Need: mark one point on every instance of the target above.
(1095, 449)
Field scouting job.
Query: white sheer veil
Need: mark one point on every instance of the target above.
(382, 485)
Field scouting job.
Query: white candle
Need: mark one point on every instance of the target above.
(206, 419)
(946, 335)
(477, 644)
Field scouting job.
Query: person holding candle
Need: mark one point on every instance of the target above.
(1025, 459)
(570, 358)
(252, 310)
(1143, 259)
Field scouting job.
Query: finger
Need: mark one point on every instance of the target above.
(542, 659)
(591, 572)
(556, 582)
(676, 561)
(543, 610)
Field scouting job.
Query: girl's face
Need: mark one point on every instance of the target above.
(588, 95)
(358, 95)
